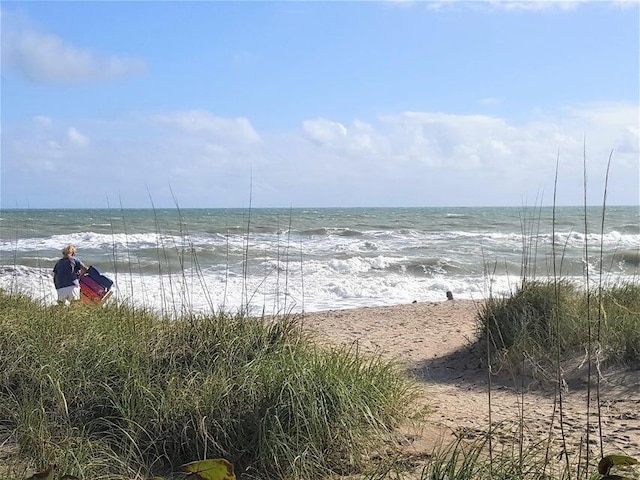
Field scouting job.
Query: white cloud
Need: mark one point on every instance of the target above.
(46, 58)
(42, 121)
(405, 158)
(535, 5)
(198, 121)
(490, 101)
(76, 138)
(532, 6)
(619, 122)
(324, 132)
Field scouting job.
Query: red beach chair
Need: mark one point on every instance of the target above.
(95, 288)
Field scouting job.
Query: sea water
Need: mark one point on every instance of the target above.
(306, 259)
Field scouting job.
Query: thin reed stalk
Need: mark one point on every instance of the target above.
(556, 321)
(600, 289)
(588, 318)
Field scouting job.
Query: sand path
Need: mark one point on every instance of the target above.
(435, 343)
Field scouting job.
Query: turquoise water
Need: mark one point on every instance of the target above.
(314, 259)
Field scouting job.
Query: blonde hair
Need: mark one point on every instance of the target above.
(69, 251)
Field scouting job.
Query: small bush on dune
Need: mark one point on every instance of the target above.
(620, 323)
(528, 314)
(124, 393)
(542, 317)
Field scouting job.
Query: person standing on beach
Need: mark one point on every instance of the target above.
(66, 275)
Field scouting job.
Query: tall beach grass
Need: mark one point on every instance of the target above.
(123, 393)
(546, 328)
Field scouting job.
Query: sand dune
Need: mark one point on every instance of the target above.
(436, 344)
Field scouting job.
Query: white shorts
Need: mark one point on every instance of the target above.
(69, 293)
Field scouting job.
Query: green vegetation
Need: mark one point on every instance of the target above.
(542, 318)
(472, 461)
(117, 392)
(123, 393)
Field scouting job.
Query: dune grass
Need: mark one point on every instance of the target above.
(544, 315)
(123, 393)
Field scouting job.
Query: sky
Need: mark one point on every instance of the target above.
(319, 104)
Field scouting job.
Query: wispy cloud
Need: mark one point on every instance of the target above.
(531, 6)
(43, 57)
(77, 139)
(490, 101)
(535, 5)
(324, 132)
(199, 121)
(398, 158)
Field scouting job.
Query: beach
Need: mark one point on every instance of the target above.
(434, 343)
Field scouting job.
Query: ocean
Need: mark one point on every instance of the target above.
(304, 259)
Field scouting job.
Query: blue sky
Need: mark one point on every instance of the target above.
(301, 104)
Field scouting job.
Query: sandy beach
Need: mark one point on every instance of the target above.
(435, 344)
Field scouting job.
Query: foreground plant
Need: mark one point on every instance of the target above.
(123, 393)
(216, 469)
(610, 461)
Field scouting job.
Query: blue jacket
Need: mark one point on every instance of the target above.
(66, 272)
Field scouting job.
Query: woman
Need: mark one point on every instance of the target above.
(66, 274)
